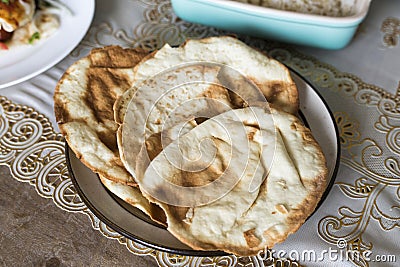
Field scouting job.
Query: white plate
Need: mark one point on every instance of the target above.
(26, 62)
(133, 224)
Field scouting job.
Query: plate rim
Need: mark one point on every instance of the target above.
(89, 13)
(192, 252)
(337, 135)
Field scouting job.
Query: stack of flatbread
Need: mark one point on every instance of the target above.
(203, 138)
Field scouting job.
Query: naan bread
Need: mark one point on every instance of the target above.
(271, 76)
(159, 104)
(195, 156)
(83, 102)
(278, 174)
(156, 142)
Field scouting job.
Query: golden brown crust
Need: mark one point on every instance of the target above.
(295, 220)
(315, 188)
(60, 110)
(145, 58)
(104, 82)
(103, 74)
(281, 95)
(130, 195)
(251, 239)
(290, 95)
(116, 57)
(296, 216)
(120, 101)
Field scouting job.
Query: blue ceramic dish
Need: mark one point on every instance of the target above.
(292, 27)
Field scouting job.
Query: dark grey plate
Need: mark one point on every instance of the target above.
(133, 224)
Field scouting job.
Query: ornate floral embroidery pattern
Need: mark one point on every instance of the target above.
(391, 29)
(348, 130)
(160, 26)
(377, 164)
(35, 154)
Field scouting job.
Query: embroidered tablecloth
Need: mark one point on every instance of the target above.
(357, 225)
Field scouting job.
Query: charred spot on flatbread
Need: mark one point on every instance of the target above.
(244, 221)
(116, 57)
(83, 106)
(83, 102)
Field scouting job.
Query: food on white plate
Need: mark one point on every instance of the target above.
(25, 22)
(332, 8)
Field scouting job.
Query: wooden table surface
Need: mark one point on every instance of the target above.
(35, 232)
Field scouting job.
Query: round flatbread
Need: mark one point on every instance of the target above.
(83, 102)
(279, 175)
(165, 100)
(271, 76)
